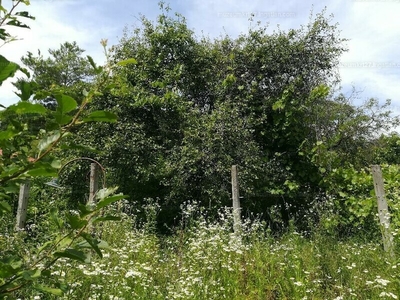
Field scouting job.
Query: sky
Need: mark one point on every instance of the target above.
(372, 27)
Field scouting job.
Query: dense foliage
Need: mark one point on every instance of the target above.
(32, 150)
(192, 107)
(188, 109)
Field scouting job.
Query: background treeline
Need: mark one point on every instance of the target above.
(190, 107)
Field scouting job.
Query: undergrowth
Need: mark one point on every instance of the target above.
(204, 259)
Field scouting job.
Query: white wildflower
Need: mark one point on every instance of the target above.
(385, 294)
(381, 281)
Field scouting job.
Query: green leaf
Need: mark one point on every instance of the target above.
(10, 170)
(62, 119)
(46, 273)
(9, 265)
(101, 116)
(101, 245)
(45, 246)
(105, 192)
(109, 200)
(26, 90)
(127, 62)
(42, 171)
(4, 207)
(107, 218)
(97, 69)
(17, 23)
(76, 222)
(54, 217)
(6, 270)
(93, 243)
(65, 104)
(56, 164)
(9, 133)
(24, 107)
(278, 105)
(48, 140)
(110, 86)
(72, 254)
(7, 69)
(24, 14)
(229, 80)
(31, 274)
(49, 290)
(84, 210)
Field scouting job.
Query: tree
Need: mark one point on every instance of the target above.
(65, 70)
(191, 107)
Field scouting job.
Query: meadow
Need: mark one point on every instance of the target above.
(205, 259)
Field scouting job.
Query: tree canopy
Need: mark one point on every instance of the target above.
(189, 108)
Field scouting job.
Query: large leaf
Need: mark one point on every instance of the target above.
(76, 222)
(24, 107)
(101, 116)
(7, 69)
(31, 274)
(105, 192)
(107, 218)
(62, 119)
(72, 254)
(93, 243)
(10, 170)
(26, 90)
(48, 140)
(84, 210)
(46, 289)
(42, 171)
(17, 23)
(9, 265)
(6, 270)
(101, 245)
(109, 200)
(65, 104)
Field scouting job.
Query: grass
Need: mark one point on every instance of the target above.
(205, 260)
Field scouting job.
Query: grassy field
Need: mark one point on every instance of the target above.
(207, 261)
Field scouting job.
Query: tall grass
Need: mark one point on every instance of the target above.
(205, 260)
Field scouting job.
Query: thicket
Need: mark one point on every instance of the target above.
(188, 108)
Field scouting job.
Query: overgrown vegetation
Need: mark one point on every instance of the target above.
(205, 260)
(188, 108)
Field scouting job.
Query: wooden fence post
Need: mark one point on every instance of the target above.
(383, 210)
(94, 182)
(235, 200)
(22, 205)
